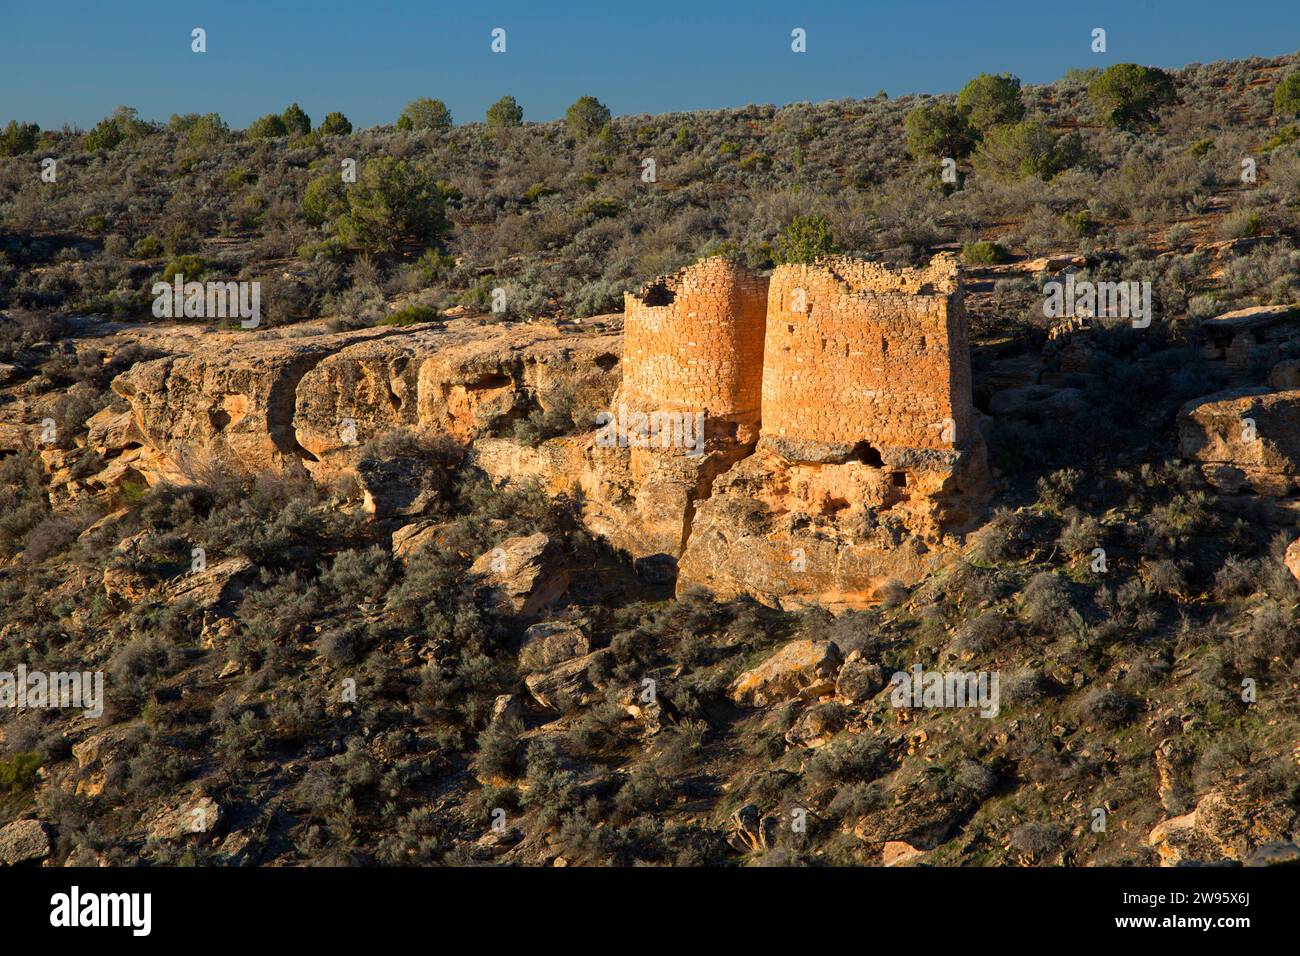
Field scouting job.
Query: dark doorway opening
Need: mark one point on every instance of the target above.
(864, 452)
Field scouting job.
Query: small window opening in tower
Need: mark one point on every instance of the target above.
(659, 294)
(900, 479)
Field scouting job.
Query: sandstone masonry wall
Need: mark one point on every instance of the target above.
(855, 351)
(694, 342)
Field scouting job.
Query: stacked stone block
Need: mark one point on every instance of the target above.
(694, 342)
(856, 352)
(827, 356)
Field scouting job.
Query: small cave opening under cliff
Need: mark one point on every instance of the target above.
(867, 453)
(659, 294)
(490, 381)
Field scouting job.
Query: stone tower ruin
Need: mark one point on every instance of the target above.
(843, 359)
(840, 449)
(864, 360)
(694, 342)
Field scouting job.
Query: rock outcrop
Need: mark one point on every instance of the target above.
(831, 534)
(564, 687)
(802, 668)
(1244, 439)
(520, 576)
(803, 439)
(1223, 826)
(24, 841)
(312, 403)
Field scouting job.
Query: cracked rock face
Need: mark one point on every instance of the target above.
(234, 405)
(734, 510)
(1244, 439)
(313, 402)
(791, 534)
(801, 668)
(522, 575)
(23, 841)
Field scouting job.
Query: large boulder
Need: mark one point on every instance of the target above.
(802, 668)
(199, 814)
(220, 583)
(564, 687)
(522, 575)
(111, 430)
(1285, 375)
(24, 841)
(551, 643)
(1292, 558)
(96, 756)
(859, 680)
(399, 487)
(410, 538)
(1244, 439)
(1225, 825)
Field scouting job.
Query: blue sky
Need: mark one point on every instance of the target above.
(76, 60)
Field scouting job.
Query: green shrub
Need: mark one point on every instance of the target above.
(325, 199)
(990, 100)
(18, 138)
(601, 207)
(410, 315)
(1283, 137)
(940, 130)
(115, 129)
(335, 124)
(358, 576)
(191, 267)
(434, 264)
(393, 202)
(1241, 224)
(1080, 223)
(536, 191)
(1019, 150)
(1127, 95)
(148, 247)
(505, 112)
(19, 772)
(199, 129)
(296, 122)
(237, 178)
(805, 239)
(984, 253)
(586, 117)
(1286, 98)
(424, 113)
(267, 127)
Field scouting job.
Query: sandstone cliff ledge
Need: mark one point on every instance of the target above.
(802, 438)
